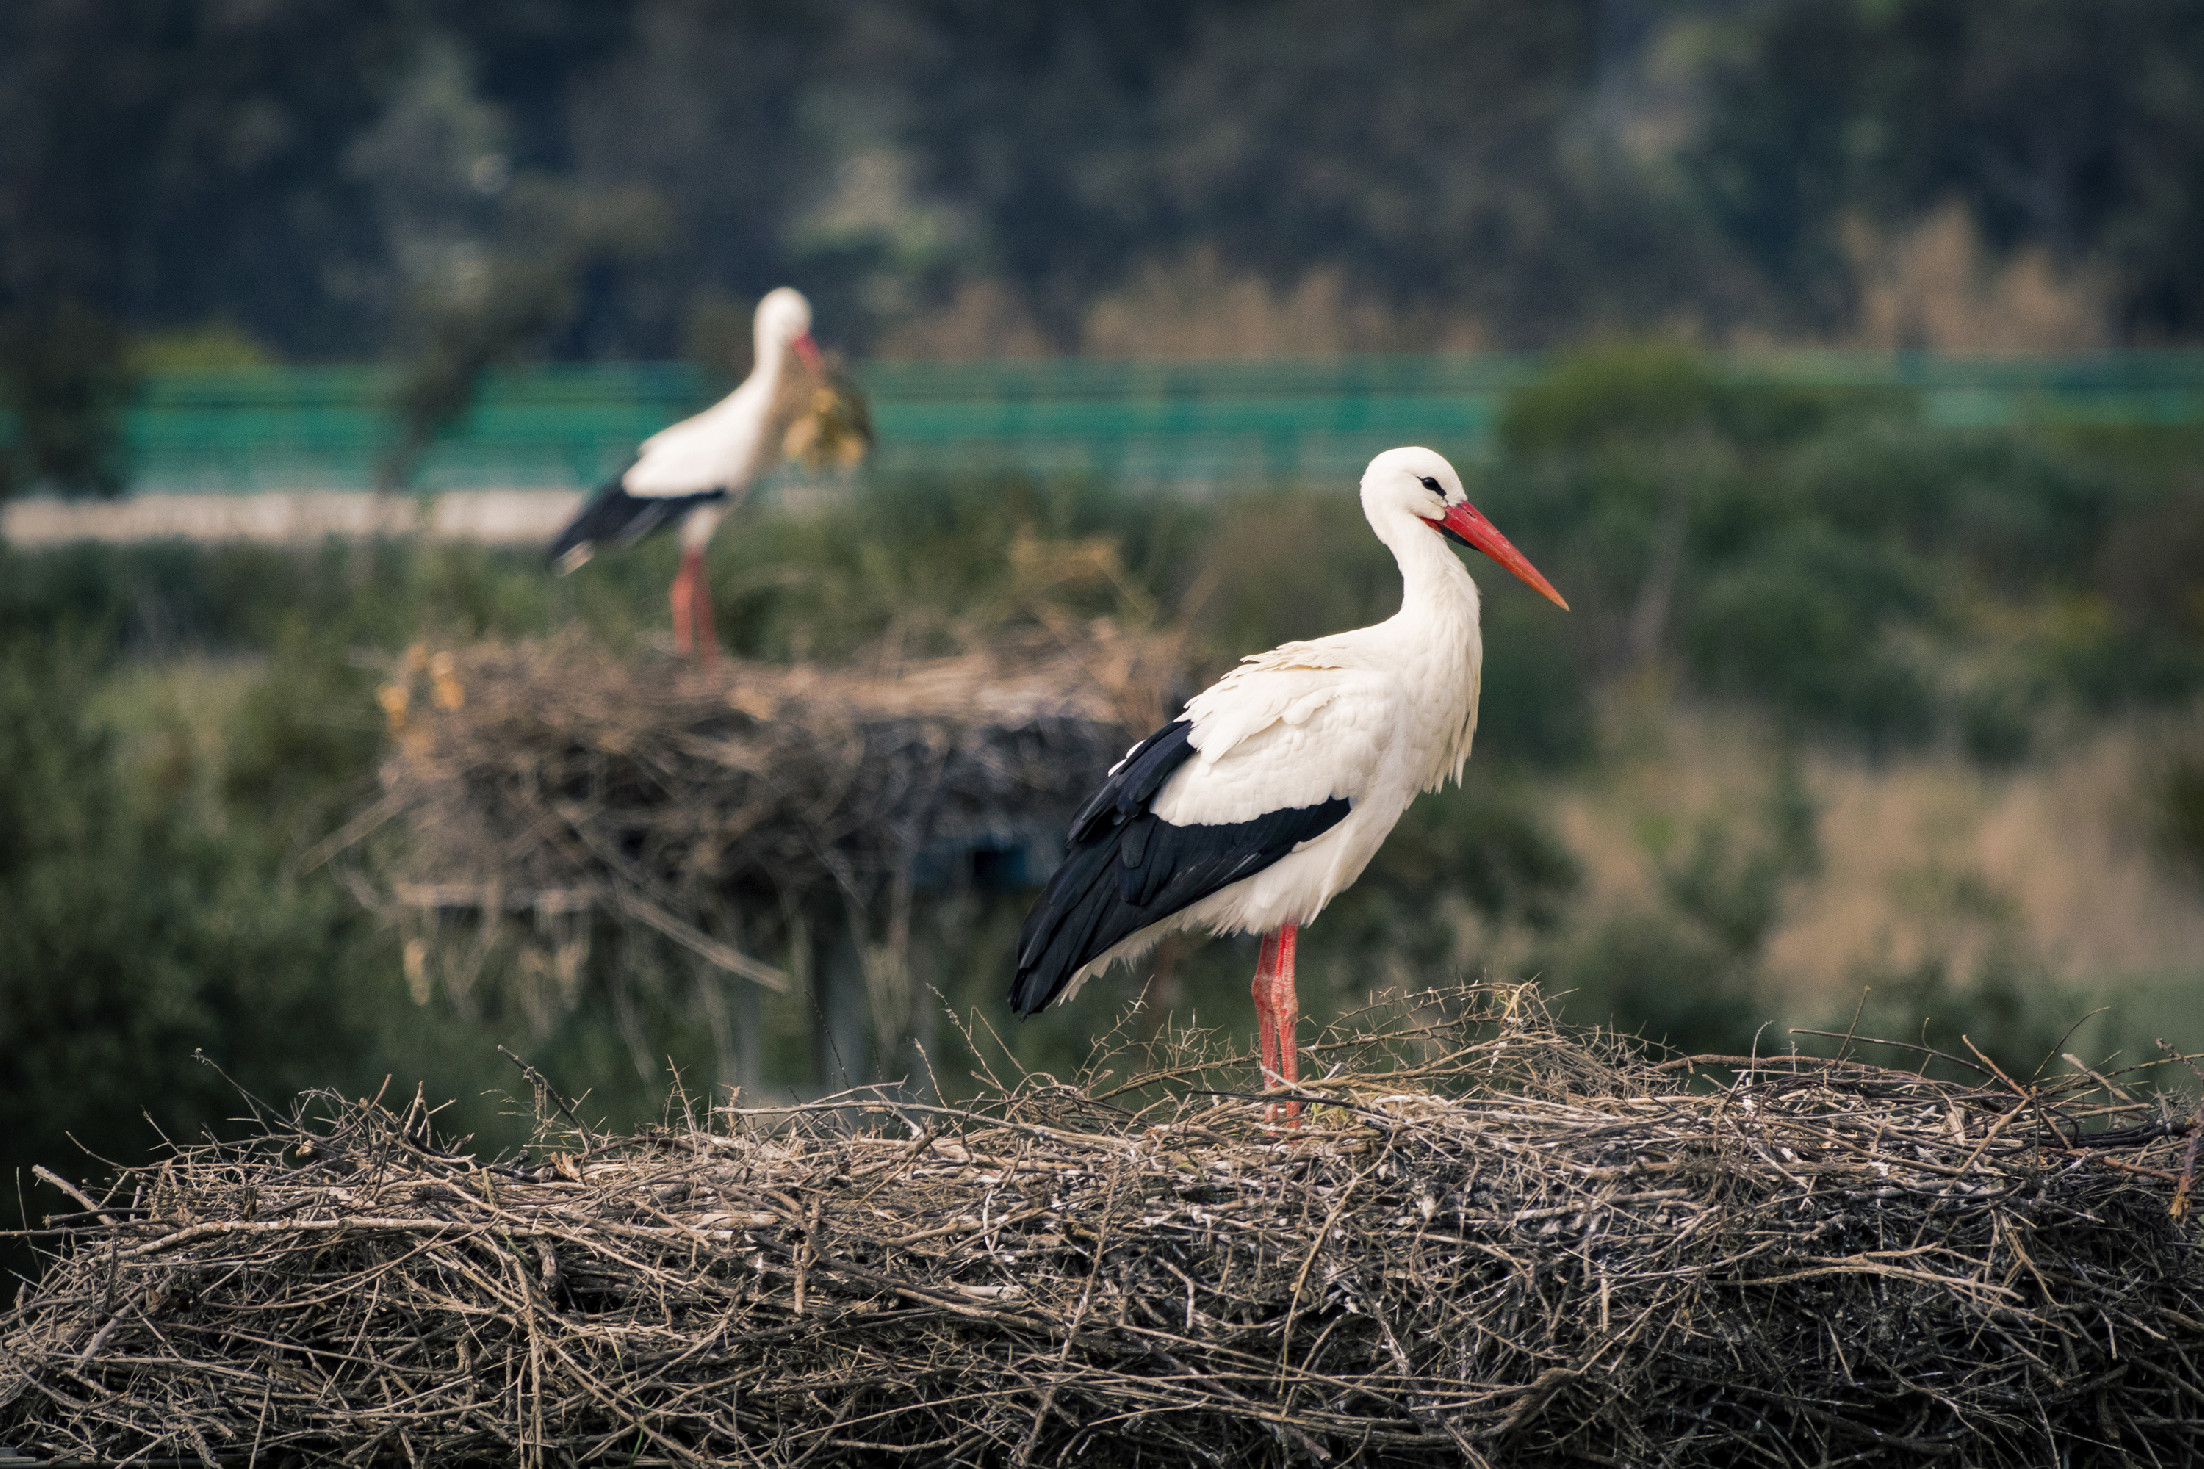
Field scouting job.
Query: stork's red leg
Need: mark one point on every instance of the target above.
(1266, 1024)
(692, 609)
(700, 615)
(1276, 1011)
(1285, 1014)
(684, 601)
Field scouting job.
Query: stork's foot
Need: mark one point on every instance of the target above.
(1277, 1010)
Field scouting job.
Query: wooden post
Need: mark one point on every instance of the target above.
(749, 1044)
(839, 1058)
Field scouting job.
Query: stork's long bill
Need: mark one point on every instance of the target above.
(808, 350)
(1467, 524)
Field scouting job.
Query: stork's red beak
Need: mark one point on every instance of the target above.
(1467, 524)
(808, 350)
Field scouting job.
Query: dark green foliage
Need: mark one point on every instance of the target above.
(1733, 887)
(153, 908)
(2149, 642)
(2181, 818)
(306, 171)
(1253, 596)
(1659, 976)
(1800, 625)
(2019, 509)
(1632, 394)
(159, 599)
(1831, 557)
(1670, 489)
(299, 749)
(1997, 717)
(1481, 847)
(553, 240)
(64, 384)
(1774, 162)
(1671, 492)
(1536, 705)
(168, 161)
(2151, 564)
(324, 174)
(2076, 128)
(935, 559)
(1626, 394)
(137, 933)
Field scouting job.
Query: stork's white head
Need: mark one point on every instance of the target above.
(784, 322)
(1420, 483)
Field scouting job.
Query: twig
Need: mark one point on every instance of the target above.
(544, 1088)
(1494, 1241)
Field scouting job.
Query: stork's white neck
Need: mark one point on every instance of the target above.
(769, 357)
(1436, 589)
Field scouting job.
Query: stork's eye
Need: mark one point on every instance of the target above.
(1433, 486)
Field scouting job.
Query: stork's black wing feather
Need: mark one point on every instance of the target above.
(1128, 868)
(613, 517)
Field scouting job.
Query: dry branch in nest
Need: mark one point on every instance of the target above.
(540, 785)
(1492, 1241)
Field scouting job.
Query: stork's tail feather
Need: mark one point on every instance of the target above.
(1059, 935)
(613, 517)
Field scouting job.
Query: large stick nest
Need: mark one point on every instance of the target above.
(556, 764)
(557, 780)
(1489, 1241)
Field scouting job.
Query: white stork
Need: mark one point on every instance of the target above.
(1273, 789)
(687, 473)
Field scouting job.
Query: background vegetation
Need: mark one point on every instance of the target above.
(1852, 590)
(452, 184)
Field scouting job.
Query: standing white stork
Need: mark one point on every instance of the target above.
(687, 473)
(1274, 788)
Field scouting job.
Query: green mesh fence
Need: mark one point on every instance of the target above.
(567, 426)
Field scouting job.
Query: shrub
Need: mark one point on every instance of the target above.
(1482, 845)
(136, 935)
(1688, 972)
(1535, 708)
(66, 379)
(1803, 625)
(2181, 812)
(1649, 392)
(1657, 975)
(2012, 506)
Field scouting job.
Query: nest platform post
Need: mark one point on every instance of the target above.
(840, 1058)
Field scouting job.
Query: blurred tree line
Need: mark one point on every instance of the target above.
(458, 182)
